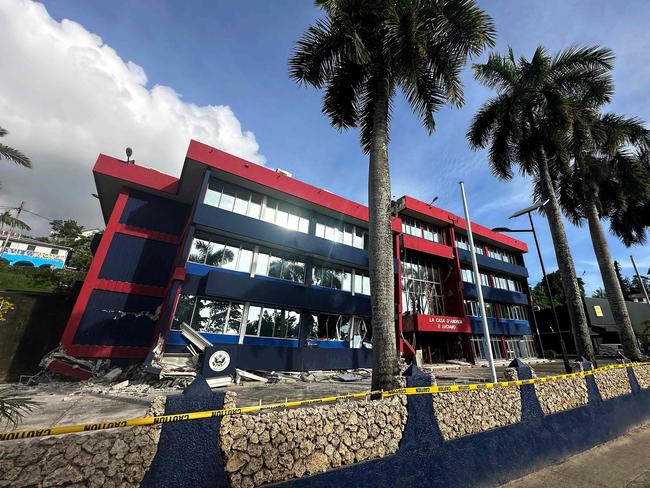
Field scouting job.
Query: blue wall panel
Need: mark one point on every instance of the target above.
(137, 260)
(154, 213)
(501, 326)
(270, 291)
(118, 319)
(492, 264)
(495, 294)
(208, 218)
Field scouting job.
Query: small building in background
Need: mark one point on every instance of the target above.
(22, 251)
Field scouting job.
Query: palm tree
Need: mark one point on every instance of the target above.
(12, 222)
(12, 154)
(606, 171)
(361, 53)
(526, 124)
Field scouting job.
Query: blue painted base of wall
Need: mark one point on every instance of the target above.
(275, 358)
(493, 457)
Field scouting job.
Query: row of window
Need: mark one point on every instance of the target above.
(255, 205)
(511, 348)
(500, 281)
(341, 232)
(493, 252)
(266, 262)
(421, 229)
(246, 319)
(506, 311)
(341, 279)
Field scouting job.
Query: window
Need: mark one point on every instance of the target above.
(214, 253)
(472, 308)
(54, 252)
(420, 229)
(485, 279)
(507, 283)
(208, 315)
(328, 327)
(478, 346)
(343, 233)
(246, 202)
(501, 254)
(467, 275)
(421, 291)
(31, 248)
(272, 322)
(463, 243)
(280, 266)
(520, 347)
(513, 312)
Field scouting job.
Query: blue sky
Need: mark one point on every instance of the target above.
(235, 54)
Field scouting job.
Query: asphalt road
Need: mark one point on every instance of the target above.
(623, 462)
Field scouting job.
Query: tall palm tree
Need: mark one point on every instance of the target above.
(12, 154)
(361, 53)
(6, 219)
(526, 125)
(605, 173)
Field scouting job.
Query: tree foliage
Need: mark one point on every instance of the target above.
(11, 154)
(540, 296)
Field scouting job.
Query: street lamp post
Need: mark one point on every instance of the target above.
(529, 211)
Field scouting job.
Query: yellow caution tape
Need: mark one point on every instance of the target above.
(182, 417)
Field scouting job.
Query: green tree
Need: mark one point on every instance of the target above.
(526, 125)
(11, 154)
(622, 280)
(361, 53)
(599, 293)
(540, 296)
(65, 232)
(604, 173)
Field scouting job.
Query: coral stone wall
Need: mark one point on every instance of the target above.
(642, 374)
(562, 395)
(468, 412)
(613, 383)
(280, 445)
(111, 458)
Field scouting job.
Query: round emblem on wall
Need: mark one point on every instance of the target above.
(219, 361)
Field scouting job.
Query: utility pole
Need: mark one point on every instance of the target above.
(4, 244)
(479, 290)
(638, 275)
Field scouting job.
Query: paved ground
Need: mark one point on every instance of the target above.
(623, 462)
(65, 403)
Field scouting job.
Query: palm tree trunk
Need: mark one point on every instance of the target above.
(612, 286)
(565, 264)
(380, 252)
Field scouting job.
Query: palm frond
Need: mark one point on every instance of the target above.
(14, 409)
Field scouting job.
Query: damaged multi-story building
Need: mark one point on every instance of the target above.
(266, 272)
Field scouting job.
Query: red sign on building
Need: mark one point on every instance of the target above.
(437, 323)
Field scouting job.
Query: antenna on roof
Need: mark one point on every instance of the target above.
(433, 200)
(129, 152)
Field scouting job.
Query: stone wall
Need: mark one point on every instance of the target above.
(613, 383)
(558, 396)
(642, 374)
(109, 458)
(280, 445)
(469, 412)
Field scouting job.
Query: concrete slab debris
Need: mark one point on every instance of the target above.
(250, 376)
(197, 340)
(219, 382)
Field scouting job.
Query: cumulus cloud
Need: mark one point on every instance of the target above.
(65, 96)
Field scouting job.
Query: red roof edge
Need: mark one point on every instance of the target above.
(479, 230)
(133, 173)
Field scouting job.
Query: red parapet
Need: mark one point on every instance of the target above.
(428, 247)
(436, 323)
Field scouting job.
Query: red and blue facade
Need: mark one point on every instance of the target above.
(275, 270)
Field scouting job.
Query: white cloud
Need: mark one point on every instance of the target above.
(65, 96)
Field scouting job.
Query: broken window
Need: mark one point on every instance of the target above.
(184, 311)
(272, 322)
(421, 291)
(208, 315)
